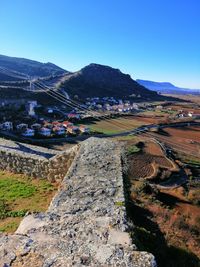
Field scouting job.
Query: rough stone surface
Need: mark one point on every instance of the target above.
(35, 161)
(85, 224)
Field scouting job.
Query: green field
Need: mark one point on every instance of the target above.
(19, 194)
(117, 125)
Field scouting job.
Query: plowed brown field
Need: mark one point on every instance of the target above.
(185, 139)
(145, 164)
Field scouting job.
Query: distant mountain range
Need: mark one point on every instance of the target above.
(166, 87)
(93, 80)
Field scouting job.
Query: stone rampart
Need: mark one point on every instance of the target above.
(36, 162)
(86, 223)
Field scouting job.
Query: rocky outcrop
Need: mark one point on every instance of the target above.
(36, 162)
(86, 222)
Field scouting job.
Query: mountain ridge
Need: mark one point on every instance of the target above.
(93, 80)
(28, 67)
(165, 87)
(101, 80)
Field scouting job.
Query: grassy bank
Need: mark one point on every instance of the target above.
(19, 194)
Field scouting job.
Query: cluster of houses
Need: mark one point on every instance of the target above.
(46, 129)
(186, 114)
(110, 104)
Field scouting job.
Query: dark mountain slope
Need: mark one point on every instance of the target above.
(98, 80)
(28, 67)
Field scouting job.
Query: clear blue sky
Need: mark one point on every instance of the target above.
(149, 39)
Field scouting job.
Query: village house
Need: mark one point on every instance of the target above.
(22, 127)
(31, 107)
(84, 129)
(45, 131)
(56, 123)
(135, 106)
(59, 130)
(107, 106)
(67, 124)
(159, 107)
(47, 124)
(190, 114)
(74, 116)
(49, 110)
(28, 133)
(36, 126)
(73, 129)
(99, 106)
(6, 126)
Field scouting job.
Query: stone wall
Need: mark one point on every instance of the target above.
(86, 223)
(36, 162)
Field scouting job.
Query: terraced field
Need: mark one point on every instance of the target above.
(147, 163)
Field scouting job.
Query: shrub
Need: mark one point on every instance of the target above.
(133, 149)
(3, 209)
(5, 212)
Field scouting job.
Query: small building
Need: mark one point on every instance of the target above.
(31, 107)
(73, 129)
(47, 124)
(74, 116)
(6, 126)
(159, 107)
(99, 106)
(84, 129)
(22, 127)
(56, 123)
(49, 110)
(36, 126)
(190, 114)
(28, 132)
(135, 106)
(107, 106)
(59, 130)
(120, 110)
(45, 131)
(67, 124)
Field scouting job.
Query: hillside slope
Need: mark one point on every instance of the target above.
(94, 80)
(100, 81)
(28, 67)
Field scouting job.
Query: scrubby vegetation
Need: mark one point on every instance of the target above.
(133, 149)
